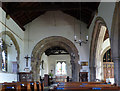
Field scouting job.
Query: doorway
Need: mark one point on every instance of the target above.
(83, 77)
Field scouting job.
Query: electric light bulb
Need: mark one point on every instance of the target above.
(75, 37)
(87, 38)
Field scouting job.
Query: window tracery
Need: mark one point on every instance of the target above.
(61, 68)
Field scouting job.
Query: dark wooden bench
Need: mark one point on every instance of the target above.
(38, 86)
(21, 86)
(74, 86)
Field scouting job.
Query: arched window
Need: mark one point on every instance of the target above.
(4, 64)
(58, 67)
(107, 56)
(61, 68)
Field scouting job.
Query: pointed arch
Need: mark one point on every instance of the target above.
(95, 35)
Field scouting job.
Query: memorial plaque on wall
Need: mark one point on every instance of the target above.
(84, 63)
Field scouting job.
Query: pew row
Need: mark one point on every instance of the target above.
(74, 86)
(21, 86)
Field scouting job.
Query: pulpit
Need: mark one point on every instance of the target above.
(25, 76)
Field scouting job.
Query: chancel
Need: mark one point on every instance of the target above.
(51, 46)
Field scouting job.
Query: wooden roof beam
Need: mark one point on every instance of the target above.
(49, 8)
(6, 9)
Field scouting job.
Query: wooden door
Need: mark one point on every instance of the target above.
(83, 76)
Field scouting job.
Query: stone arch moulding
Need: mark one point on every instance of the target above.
(48, 42)
(105, 50)
(15, 43)
(95, 34)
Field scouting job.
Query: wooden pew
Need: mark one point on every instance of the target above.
(32, 86)
(0, 86)
(9, 86)
(21, 86)
(38, 86)
(42, 86)
(18, 86)
(24, 86)
(72, 86)
(35, 86)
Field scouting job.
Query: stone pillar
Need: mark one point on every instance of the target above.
(75, 72)
(117, 70)
(0, 60)
(115, 42)
(34, 71)
(1, 15)
(34, 76)
(38, 72)
(38, 77)
(18, 62)
(92, 74)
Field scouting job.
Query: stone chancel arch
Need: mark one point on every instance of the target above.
(49, 42)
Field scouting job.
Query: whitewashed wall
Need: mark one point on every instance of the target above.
(61, 25)
(19, 35)
(7, 77)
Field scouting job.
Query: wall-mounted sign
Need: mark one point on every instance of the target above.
(84, 63)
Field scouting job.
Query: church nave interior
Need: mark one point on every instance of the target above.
(51, 46)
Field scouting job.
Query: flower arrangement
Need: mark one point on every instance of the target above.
(51, 74)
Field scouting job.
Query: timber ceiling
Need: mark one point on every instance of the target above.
(56, 50)
(25, 12)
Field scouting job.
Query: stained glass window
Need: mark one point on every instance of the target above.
(4, 63)
(107, 56)
(4, 56)
(61, 68)
(64, 68)
(58, 67)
